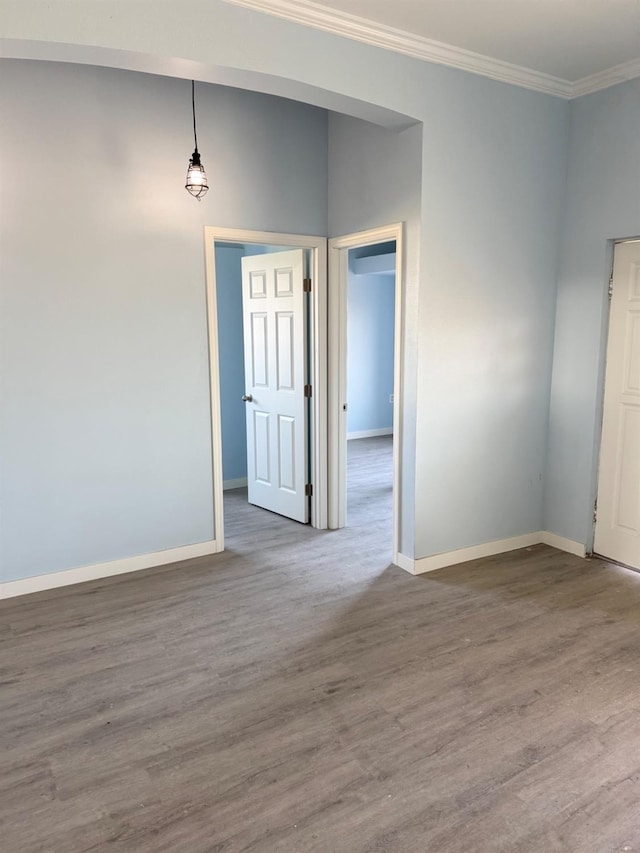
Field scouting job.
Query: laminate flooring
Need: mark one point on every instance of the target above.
(299, 693)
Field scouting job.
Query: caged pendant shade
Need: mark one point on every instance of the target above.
(196, 183)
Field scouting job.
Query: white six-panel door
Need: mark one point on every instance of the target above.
(275, 361)
(617, 533)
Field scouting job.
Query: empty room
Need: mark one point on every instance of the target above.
(320, 426)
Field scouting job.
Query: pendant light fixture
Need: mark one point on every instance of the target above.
(196, 176)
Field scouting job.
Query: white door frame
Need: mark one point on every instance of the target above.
(613, 245)
(317, 359)
(337, 364)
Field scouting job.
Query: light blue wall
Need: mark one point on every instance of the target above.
(370, 335)
(104, 423)
(374, 179)
(494, 173)
(479, 298)
(378, 250)
(481, 190)
(231, 351)
(602, 204)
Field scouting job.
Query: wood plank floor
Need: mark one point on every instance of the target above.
(301, 694)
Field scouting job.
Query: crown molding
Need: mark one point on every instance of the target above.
(360, 29)
(339, 23)
(607, 78)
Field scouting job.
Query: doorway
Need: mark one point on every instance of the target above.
(617, 526)
(225, 246)
(364, 252)
(370, 386)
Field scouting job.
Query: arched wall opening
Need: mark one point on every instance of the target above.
(106, 336)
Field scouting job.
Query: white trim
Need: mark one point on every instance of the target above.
(214, 385)
(475, 552)
(406, 563)
(389, 38)
(238, 483)
(317, 354)
(488, 549)
(38, 583)
(601, 495)
(605, 79)
(337, 367)
(348, 26)
(563, 544)
(369, 433)
(337, 341)
(340, 23)
(319, 379)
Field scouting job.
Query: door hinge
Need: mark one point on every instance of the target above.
(308, 490)
(595, 510)
(610, 288)
(306, 285)
(308, 391)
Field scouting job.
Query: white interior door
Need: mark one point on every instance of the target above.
(275, 360)
(617, 533)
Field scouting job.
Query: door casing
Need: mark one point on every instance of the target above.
(337, 371)
(317, 362)
(613, 244)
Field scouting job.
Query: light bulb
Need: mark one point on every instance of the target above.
(196, 183)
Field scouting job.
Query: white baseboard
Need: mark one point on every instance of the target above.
(370, 433)
(563, 544)
(488, 549)
(406, 563)
(105, 570)
(463, 555)
(239, 483)
(39, 583)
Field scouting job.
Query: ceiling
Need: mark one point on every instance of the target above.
(581, 45)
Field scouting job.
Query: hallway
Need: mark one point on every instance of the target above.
(369, 505)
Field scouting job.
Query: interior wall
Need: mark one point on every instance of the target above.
(374, 180)
(483, 207)
(104, 425)
(494, 175)
(370, 362)
(602, 204)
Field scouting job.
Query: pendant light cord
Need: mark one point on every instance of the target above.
(196, 183)
(193, 109)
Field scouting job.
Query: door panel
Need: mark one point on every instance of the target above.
(617, 534)
(285, 351)
(627, 499)
(286, 455)
(259, 350)
(261, 447)
(258, 285)
(275, 370)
